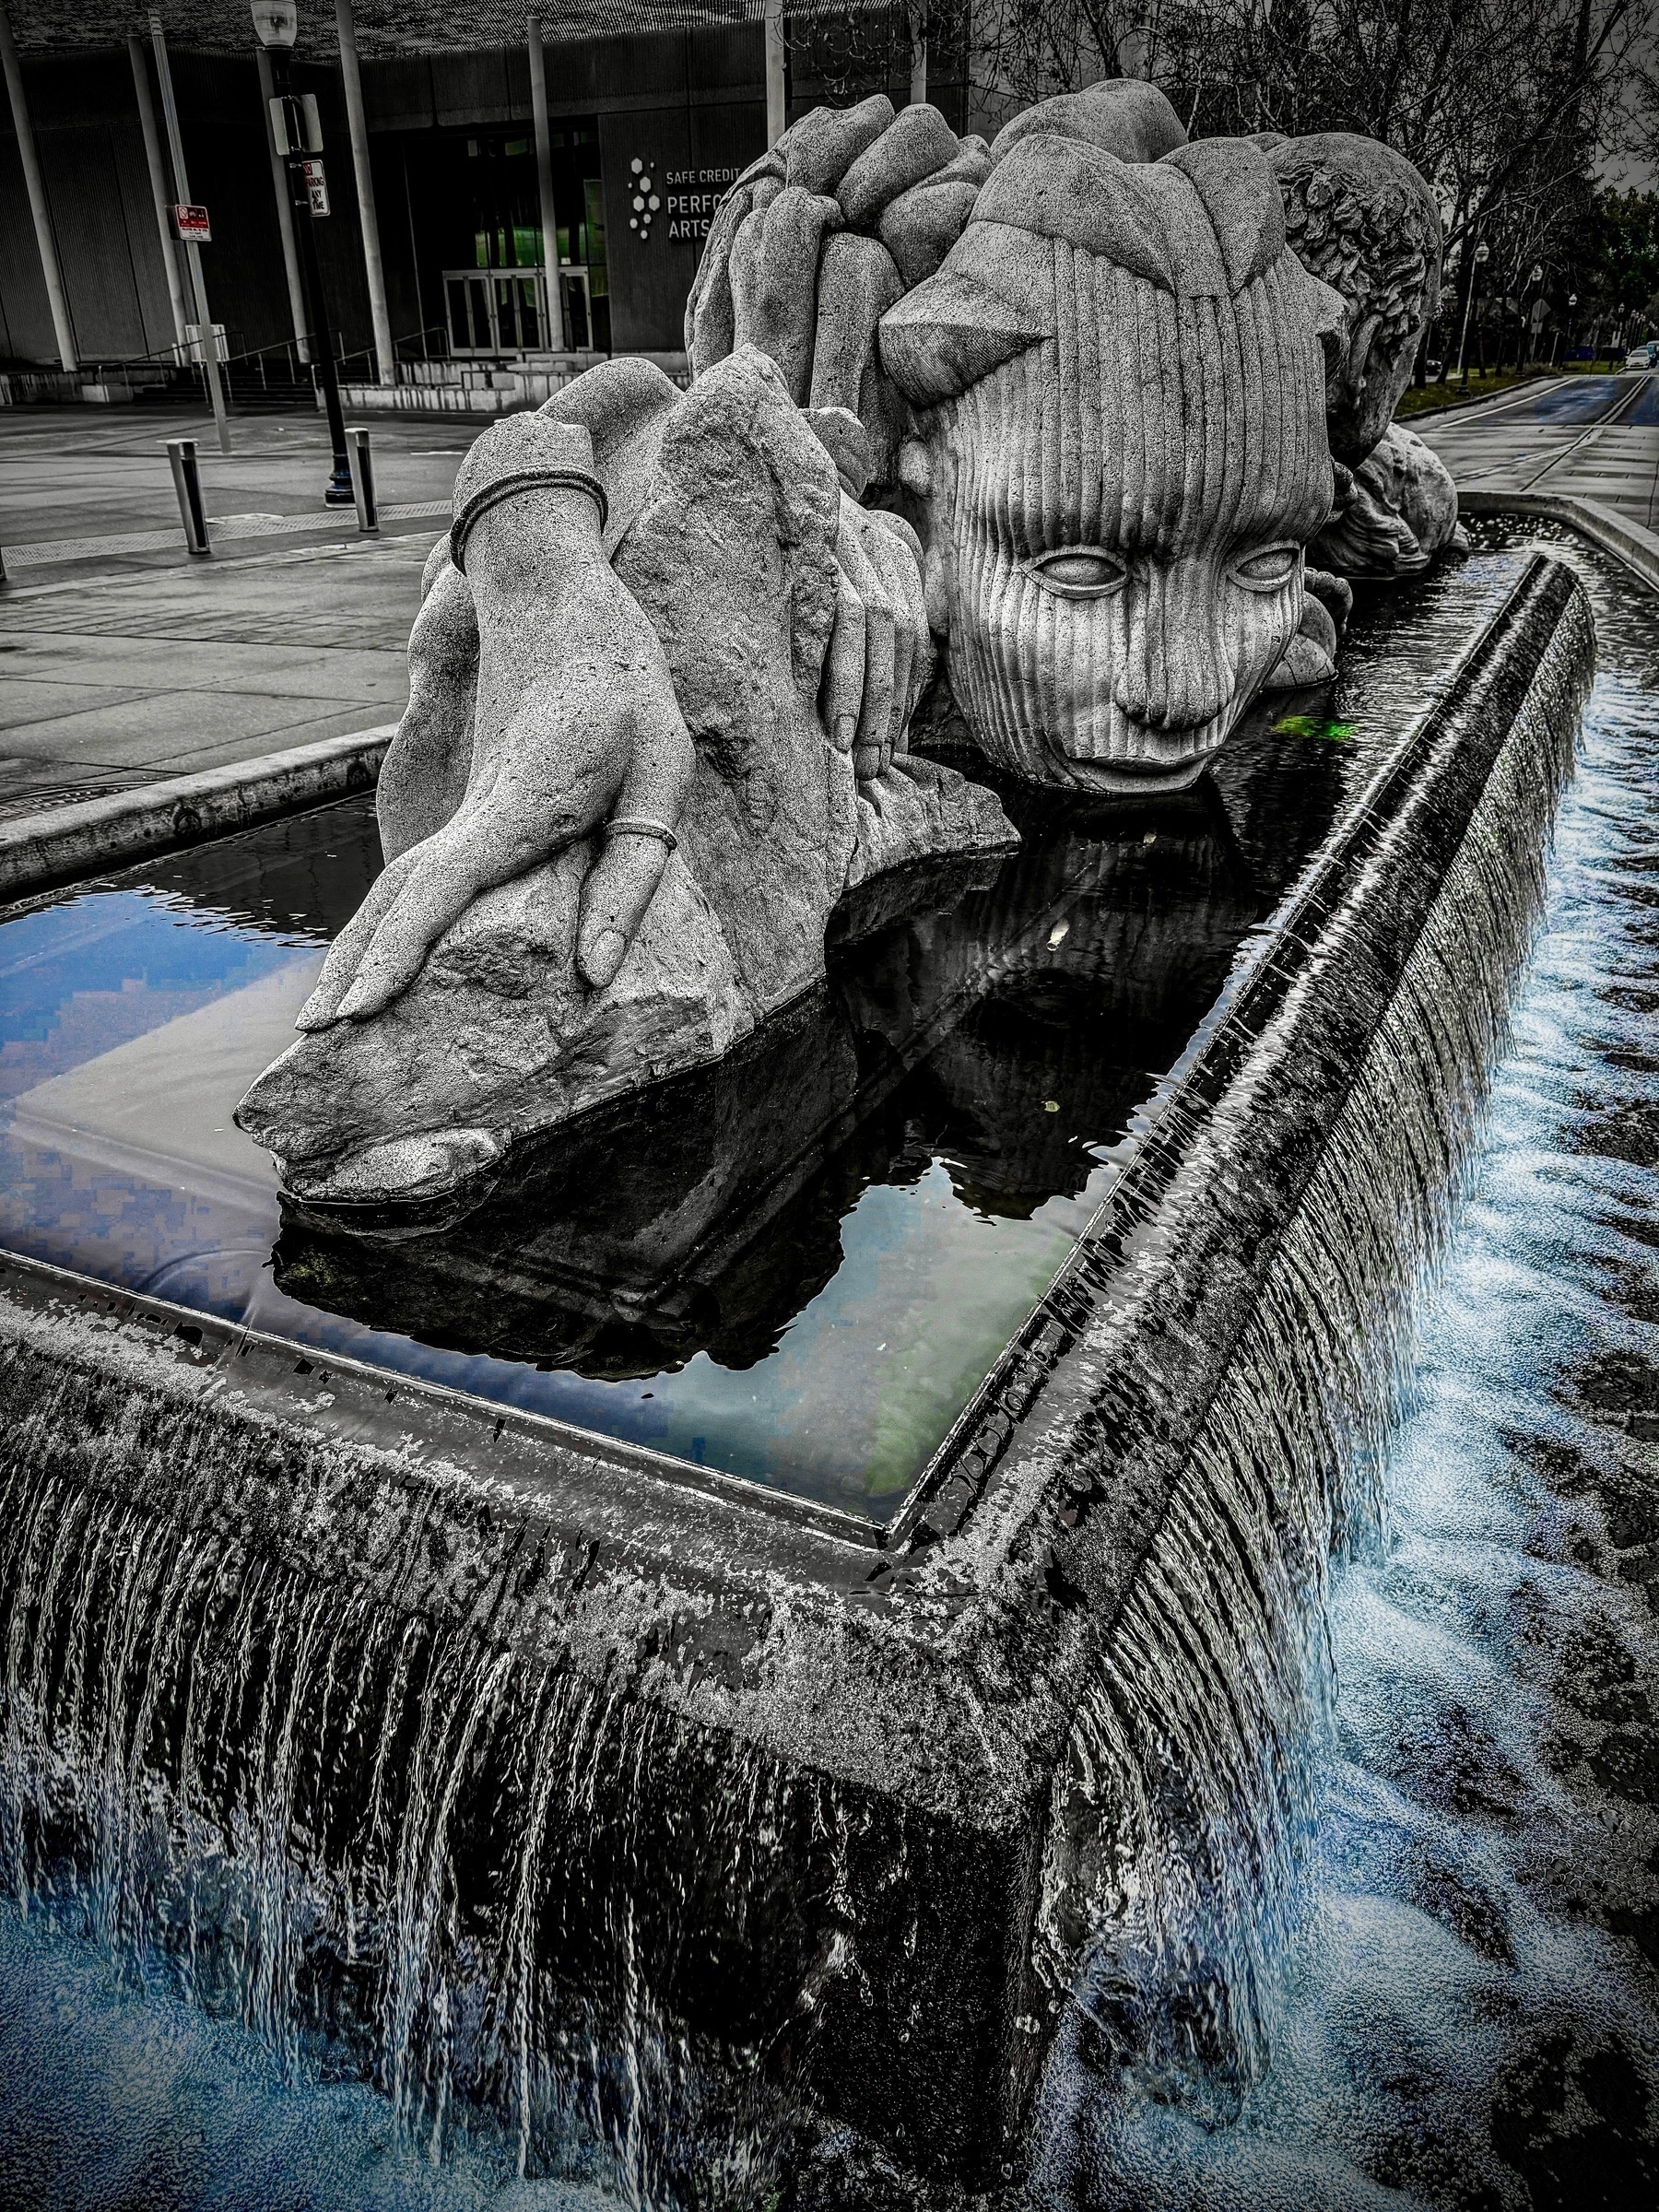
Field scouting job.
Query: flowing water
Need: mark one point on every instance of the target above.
(1451, 1750)
(1461, 2008)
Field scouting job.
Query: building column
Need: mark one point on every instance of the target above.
(49, 266)
(158, 177)
(193, 252)
(385, 360)
(777, 93)
(559, 334)
(285, 213)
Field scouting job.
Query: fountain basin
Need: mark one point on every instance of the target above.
(844, 1782)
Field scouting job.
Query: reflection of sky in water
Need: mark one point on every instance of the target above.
(131, 1022)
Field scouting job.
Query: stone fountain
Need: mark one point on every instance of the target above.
(1012, 478)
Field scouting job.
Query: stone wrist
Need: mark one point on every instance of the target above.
(525, 454)
(511, 486)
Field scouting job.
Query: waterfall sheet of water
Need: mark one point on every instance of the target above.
(1453, 1996)
(351, 1834)
(1190, 1782)
(270, 1802)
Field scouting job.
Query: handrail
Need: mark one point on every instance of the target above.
(171, 354)
(410, 339)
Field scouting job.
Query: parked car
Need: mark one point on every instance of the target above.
(1646, 356)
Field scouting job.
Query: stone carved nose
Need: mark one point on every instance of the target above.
(1174, 675)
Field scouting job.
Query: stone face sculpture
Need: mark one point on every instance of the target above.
(1120, 384)
(1058, 403)
(1359, 216)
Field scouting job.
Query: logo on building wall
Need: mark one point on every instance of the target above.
(691, 196)
(646, 200)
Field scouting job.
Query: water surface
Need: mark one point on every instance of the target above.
(798, 1267)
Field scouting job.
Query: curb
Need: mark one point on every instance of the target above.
(1638, 548)
(39, 852)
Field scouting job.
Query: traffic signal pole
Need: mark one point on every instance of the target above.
(294, 149)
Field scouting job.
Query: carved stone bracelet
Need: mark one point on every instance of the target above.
(640, 825)
(508, 487)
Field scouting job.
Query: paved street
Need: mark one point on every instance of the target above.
(1596, 437)
(122, 660)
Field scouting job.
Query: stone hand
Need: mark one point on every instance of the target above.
(773, 277)
(880, 652)
(562, 750)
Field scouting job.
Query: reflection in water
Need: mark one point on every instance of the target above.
(745, 1223)
(796, 1265)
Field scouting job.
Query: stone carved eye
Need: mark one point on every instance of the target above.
(1268, 571)
(1079, 572)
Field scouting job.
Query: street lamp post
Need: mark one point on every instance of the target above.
(1479, 256)
(276, 21)
(1533, 276)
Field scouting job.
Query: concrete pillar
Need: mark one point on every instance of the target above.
(285, 212)
(384, 357)
(158, 178)
(777, 94)
(49, 266)
(917, 15)
(558, 336)
(193, 252)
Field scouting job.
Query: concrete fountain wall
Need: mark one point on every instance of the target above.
(518, 1750)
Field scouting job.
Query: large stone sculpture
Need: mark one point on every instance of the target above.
(1059, 404)
(659, 684)
(1359, 216)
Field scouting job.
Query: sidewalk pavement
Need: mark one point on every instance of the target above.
(122, 660)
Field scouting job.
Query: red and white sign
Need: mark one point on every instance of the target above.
(191, 223)
(316, 184)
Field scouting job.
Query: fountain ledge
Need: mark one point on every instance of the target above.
(62, 844)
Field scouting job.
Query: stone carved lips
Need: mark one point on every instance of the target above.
(1122, 373)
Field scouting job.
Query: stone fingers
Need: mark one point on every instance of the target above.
(774, 273)
(871, 743)
(711, 328)
(445, 875)
(623, 880)
(339, 970)
(844, 668)
(423, 780)
(857, 284)
(901, 551)
(886, 564)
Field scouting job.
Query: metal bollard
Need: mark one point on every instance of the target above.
(182, 453)
(362, 481)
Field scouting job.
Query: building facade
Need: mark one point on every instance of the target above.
(645, 128)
